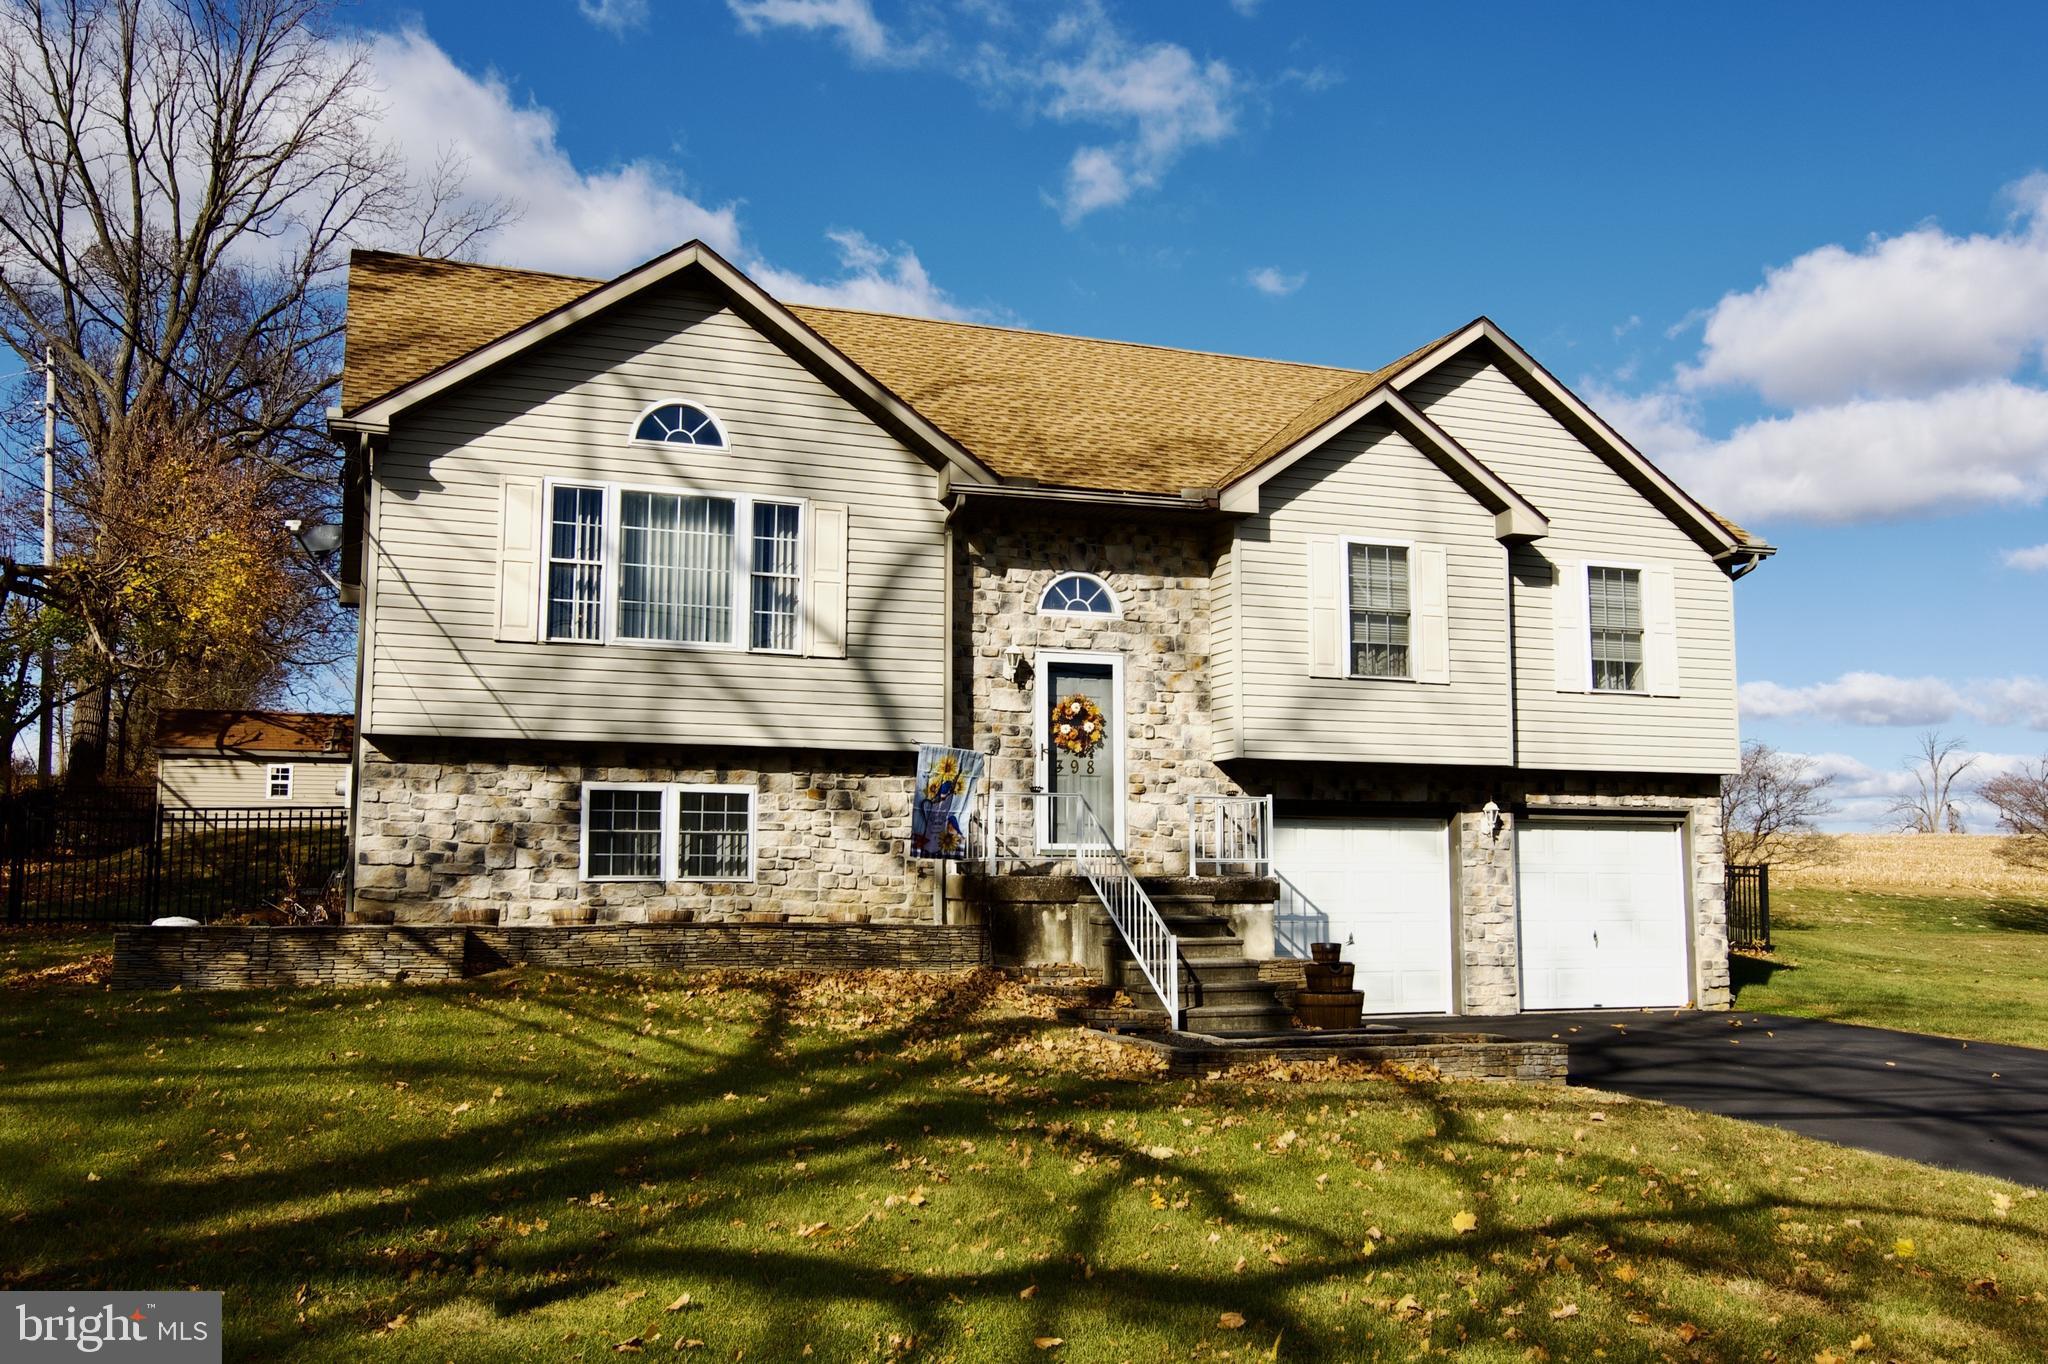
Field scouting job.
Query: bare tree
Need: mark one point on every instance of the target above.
(180, 183)
(1772, 807)
(2021, 799)
(1935, 768)
(448, 221)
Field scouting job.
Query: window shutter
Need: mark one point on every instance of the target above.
(1430, 606)
(825, 573)
(1660, 632)
(1325, 607)
(1572, 646)
(519, 560)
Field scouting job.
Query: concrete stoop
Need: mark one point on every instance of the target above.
(1221, 990)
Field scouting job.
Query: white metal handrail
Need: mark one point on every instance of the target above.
(1297, 920)
(1227, 833)
(1008, 836)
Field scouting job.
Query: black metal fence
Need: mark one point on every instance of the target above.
(1749, 906)
(118, 861)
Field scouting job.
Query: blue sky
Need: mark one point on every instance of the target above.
(1800, 256)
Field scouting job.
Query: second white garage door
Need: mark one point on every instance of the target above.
(1603, 915)
(1381, 887)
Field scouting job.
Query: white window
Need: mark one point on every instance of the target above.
(277, 781)
(678, 423)
(656, 831)
(714, 833)
(1377, 610)
(575, 581)
(1078, 594)
(641, 565)
(1614, 616)
(623, 832)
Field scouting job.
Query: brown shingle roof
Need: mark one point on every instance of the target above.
(254, 731)
(1061, 410)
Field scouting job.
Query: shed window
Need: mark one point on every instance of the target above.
(277, 781)
(1615, 615)
(1077, 594)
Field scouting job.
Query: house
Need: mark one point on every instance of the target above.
(253, 759)
(662, 582)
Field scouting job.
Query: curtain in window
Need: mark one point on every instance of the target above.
(1379, 611)
(775, 576)
(675, 568)
(576, 564)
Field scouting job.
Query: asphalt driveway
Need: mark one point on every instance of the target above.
(1967, 1105)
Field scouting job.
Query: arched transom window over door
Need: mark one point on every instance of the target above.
(1078, 594)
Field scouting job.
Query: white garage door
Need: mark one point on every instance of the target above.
(1603, 916)
(1382, 887)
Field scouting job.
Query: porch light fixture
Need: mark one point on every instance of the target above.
(1494, 820)
(1017, 664)
(314, 541)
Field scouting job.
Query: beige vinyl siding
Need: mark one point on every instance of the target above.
(565, 411)
(1225, 666)
(1595, 515)
(1371, 481)
(217, 782)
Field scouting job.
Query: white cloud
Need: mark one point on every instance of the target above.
(1905, 315)
(1248, 8)
(1157, 99)
(1856, 698)
(1909, 370)
(1864, 459)
(1274, 283)
(601, 222)
(573, 220)
(852, 22)
(1863, 794)
(2031, 560)
(873, 277)
(619, 16)
(1867, 698)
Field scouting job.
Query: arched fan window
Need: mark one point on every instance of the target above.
(1078, 594)
(680, 424)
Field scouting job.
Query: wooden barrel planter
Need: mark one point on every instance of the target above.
(572, 914)
(474, 915)
(1326, 999)
(664, 914)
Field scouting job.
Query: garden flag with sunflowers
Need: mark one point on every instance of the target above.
(946, 778)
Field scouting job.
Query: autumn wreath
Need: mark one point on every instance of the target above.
(1077, 725)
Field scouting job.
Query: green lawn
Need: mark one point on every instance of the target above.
(1969, 967)
(563, 1167)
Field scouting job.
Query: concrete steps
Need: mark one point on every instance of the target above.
(1221, 991)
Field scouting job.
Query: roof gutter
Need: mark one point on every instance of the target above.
(959, 495)
(1743, 559)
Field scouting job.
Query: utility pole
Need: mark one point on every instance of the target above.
(46, 746)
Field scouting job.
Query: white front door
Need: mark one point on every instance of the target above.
(1096, 776)
(1603, 922)
(1381, 888)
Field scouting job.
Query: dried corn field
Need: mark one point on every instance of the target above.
(1915, 863)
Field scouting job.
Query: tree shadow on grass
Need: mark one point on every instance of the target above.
(2018, 915)
(662, 1137)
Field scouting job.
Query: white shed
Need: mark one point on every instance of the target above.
(253, 759)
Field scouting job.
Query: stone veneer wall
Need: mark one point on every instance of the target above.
(1160, 571)
(240, 958)
(491, 831)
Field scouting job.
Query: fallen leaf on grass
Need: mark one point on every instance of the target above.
(1862, 1345)
(1570, 1309)
(1903, 1247)
(1231, 1321)
(1464, 1222)
(1048, 1342)
(1028, 1293)
(681, 1304)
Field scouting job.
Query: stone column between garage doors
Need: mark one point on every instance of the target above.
(1489, 963)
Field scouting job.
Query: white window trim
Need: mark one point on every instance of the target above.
(1344, 546)
(743, 563)
(671, 834)
(666, 856)
(724, 445)
(1116, 604)
(270, 771)
(1642, 571)
(753, 795)
(1041, 777)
